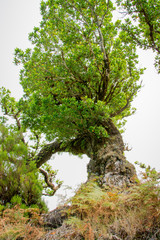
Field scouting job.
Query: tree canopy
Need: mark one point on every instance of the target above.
(81, 72)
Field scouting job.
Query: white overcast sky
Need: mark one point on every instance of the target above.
(17, 19)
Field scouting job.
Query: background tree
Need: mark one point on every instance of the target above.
(144, 25)
(20, 180)
(79, 81)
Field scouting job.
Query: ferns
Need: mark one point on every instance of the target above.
(96, 213)
(17, 223)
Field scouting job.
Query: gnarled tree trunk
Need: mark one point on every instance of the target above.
(108, 160)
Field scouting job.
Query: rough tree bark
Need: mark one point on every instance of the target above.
(107, 159)
(109, 162)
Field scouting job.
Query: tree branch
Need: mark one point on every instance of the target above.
(123, 108)
(72, 146)
(49, 182)
(99, 31)
(106, 69)
(47, 151)
(151, 28)
(15, 116)
(79, 79)
(81, 13)
(105, 13)
(113, 89)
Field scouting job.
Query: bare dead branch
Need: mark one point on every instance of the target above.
(49, 183)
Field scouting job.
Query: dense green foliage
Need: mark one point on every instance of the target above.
(19, 180)
(144, 29)
(81, 72)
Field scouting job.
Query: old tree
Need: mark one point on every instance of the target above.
(79, 80)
